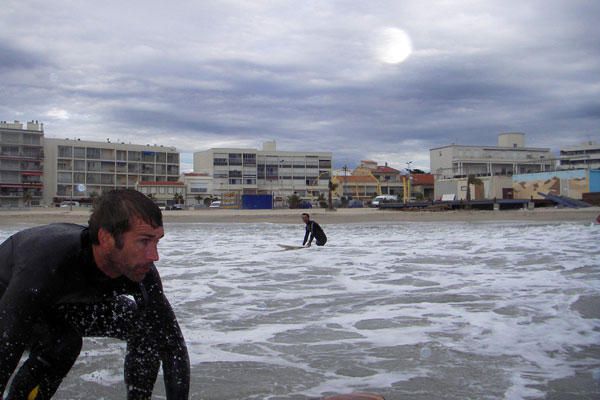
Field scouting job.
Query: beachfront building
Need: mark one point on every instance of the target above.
(390, 179)
(21, 163)
(492, 166)
(356, 187)
(509, 157)
(421, 186)
(80, 170)
(239, 171)
(198, 188)
(164, 193)
(584, 156)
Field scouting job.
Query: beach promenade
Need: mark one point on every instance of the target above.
(39, 216)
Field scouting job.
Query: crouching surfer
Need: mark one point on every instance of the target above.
(61, 282)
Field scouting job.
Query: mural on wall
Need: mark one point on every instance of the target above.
(530, 185)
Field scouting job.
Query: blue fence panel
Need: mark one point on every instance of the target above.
(595, 180)
(257, 201)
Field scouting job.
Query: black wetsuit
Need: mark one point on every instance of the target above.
(314, 231)
(52, 294)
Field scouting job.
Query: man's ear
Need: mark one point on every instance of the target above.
(105, 239)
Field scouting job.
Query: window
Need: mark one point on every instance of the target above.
(147, 168)
(79, 165)
(235, 159)
(79, 152)
(64, 177)
(249, 159)
(93, 153)
(64, 165)
(93, 166)
(148, 156)
(134, 156)
(324, 163)
(65, 151)
(173, 158)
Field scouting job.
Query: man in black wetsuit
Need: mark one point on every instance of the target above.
(61, 282)
(313, 231)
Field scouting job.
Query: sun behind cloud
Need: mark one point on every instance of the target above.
(394, 46)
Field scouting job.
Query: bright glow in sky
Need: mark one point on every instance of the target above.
(395, 46)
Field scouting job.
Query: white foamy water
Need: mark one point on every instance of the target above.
(408, 310)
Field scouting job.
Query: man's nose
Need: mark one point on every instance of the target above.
(152, 252)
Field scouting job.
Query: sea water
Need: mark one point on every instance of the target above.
(409, 310)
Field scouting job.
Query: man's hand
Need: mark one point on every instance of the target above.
(308, 244)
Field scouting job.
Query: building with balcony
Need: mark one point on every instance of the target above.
(266, 171)
(492, 165)
(509, 157)
(81, 169)
(584, 156)
(21, 163)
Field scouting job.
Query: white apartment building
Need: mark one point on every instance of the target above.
(198, 187)
(266, 171)
(584, 156)
(81, 169)
(21, 163)
(509, 157)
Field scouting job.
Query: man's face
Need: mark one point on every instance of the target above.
(139, 250)
(305, 218)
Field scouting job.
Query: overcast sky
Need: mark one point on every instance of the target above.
(382, 80)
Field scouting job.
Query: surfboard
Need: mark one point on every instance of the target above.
(290, 247)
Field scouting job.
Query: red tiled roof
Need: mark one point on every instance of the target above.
(422, 179)
(386, 170)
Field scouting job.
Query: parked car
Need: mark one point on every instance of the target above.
(69, 204)
(215, 204)
(376, 202)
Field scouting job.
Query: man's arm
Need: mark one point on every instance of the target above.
(23, 298)
(173, 350)
(306, 235)
(20, 306)
(310, 228)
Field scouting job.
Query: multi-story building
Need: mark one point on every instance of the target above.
(198, 187)
(492, 165)
(21, 163)
(390, 179)
(509, 157)
(83, 169)
(164, 193)
(584, 156)
(358, 187)
(266, 171)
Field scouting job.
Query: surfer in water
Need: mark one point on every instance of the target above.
(313, 231)
(61, 282)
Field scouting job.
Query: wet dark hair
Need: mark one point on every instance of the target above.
(115, 210)
(308, 215)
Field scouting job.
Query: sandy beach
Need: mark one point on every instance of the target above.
(40, 216)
